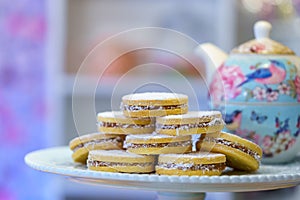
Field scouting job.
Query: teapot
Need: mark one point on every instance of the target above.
(257, 88)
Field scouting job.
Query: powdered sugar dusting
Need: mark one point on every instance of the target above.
(118, 153)
(154, 96)
(193, 115)
(150, 136)
(91, 144)
(207, 155)
(92, 136)
(111, 114)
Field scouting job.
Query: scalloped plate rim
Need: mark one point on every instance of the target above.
(153, 181)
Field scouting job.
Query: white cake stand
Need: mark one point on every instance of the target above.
(58, 160)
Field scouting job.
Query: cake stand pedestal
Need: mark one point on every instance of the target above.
(58, 160)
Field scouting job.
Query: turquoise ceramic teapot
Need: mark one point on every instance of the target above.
(257, 87)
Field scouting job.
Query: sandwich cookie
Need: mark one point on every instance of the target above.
(85, 143)
(240, 153)
(153, 104)
(153, 144)
(115, 122)
(192, 164)
(120, 161)
(194, 122)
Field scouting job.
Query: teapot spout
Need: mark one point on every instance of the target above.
(212, 56)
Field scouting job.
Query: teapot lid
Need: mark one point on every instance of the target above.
(262, 44)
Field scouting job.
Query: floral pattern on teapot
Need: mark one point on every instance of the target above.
(256, 80)
(283, 136)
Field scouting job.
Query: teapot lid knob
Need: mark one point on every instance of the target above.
(262, 29)
(262, 44)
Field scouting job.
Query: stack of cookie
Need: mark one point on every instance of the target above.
(158, 131)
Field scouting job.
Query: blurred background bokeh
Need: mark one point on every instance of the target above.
(44, 42)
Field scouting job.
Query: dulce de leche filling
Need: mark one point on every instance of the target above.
(158, 145)
(214, 122)
(235, 145)
(119, 125)
(193, 167)
(96, 163)
(151, 107)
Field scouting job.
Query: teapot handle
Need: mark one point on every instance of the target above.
(213, 57)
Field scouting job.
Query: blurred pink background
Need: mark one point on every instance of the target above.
(42, 44)
(24, 108)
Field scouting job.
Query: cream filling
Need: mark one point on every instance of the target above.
(151, 107)
(158, 145)
(214, 122)
(193, 167)
(119, 125)
(96, 163)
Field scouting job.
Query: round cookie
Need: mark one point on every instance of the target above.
(115, 122)
(240, 153)
(154, 144)
(154, 104)
(83, 144)
(120, 161)
(192, 164)
(193, 122)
